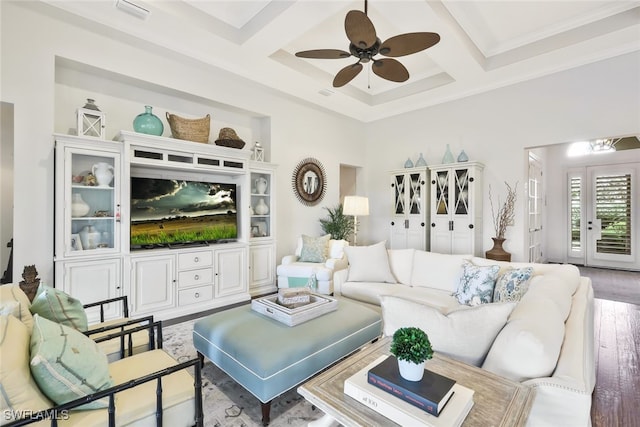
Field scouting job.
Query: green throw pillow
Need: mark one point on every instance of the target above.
(66, 364)
(59, 307)
(314, 249)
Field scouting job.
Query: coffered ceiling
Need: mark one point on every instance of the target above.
(484, 44)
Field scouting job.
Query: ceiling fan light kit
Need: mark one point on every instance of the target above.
(365, 45)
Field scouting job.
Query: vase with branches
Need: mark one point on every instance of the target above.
(502, 215)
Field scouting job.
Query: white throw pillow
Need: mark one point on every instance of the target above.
(529, 345)
(369, 264)
(434, 270)
(336, 248)
(400, 262)
(465, 334)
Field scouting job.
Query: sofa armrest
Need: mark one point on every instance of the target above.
(339, 277)
(289, 259)
(336, 263)
(63, 411)
(125, 330)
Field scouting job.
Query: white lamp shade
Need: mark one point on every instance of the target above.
(356, 205)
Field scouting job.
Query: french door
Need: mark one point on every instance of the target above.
(604, 216)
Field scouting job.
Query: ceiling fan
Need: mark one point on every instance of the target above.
(365, 44)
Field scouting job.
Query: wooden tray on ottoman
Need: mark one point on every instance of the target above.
(319, 305)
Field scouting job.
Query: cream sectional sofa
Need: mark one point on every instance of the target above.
(545, 339)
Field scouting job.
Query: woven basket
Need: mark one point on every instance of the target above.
(190, 129)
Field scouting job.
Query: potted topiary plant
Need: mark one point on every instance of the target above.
(412, 348)
(339, 225)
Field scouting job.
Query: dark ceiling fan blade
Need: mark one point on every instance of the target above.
(406, 44)
(390, 69)
(347, 74)
(359, 29)
(323, 54)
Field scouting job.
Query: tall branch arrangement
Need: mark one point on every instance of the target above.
(505, 213)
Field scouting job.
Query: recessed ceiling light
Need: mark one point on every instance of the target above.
(132, 9)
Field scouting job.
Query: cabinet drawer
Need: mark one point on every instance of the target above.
(202, 276)
(194, 260)
(195, 295)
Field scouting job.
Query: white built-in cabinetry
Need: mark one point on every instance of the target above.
(409, 226)
(456, 208)
(262, 243)
(159, 281)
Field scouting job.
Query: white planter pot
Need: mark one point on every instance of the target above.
(411, 371)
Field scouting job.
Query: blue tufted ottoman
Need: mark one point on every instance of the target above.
(268, 357)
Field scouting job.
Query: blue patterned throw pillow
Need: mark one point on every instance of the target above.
(512, 284)
(476, 284)
(314, 249)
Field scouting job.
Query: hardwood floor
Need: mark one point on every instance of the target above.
(616, 398)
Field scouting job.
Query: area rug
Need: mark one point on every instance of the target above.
(225, 403)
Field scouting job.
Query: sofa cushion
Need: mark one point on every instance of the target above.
(137, 406)
(59, 307)
(305, 270)
(18, 390)
(11, 294)
(555, 289)
(465, 334)
(512, 284)
(434, 270)
(66, 364)
(401, 264)
(369, 264)
(369, 292)
(529, 344)
(314, 249)
(476, 284)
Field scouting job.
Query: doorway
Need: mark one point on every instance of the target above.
(602, 209)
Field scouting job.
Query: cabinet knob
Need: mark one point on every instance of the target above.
(470, 225)
(471, 179)
(196, 277)
(196, 259)
(433, 181)
(433, 224)
(393, 223)
(422, 182)
(393, 185)
(197, 295)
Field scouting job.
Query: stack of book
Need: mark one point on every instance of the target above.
(435, 401)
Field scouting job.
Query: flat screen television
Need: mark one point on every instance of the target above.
(166, 212)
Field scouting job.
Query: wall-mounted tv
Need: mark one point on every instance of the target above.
(166, 212)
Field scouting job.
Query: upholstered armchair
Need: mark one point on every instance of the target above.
(317, 257)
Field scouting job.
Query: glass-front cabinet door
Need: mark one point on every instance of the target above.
(408, 219)
(87, 197)
(261, 205)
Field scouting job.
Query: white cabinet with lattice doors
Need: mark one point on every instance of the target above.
(456, 208)
(409, 202)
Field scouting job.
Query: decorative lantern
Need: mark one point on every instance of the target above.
(258, 152)
(91, 121)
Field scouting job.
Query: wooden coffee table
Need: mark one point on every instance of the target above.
(497, 400)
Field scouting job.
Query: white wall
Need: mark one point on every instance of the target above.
(596, 100)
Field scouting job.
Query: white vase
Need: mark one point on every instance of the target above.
(261, 185)
(103, 173)
(90, 237)
(261, 208)
(411, 371)
(78, 206)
